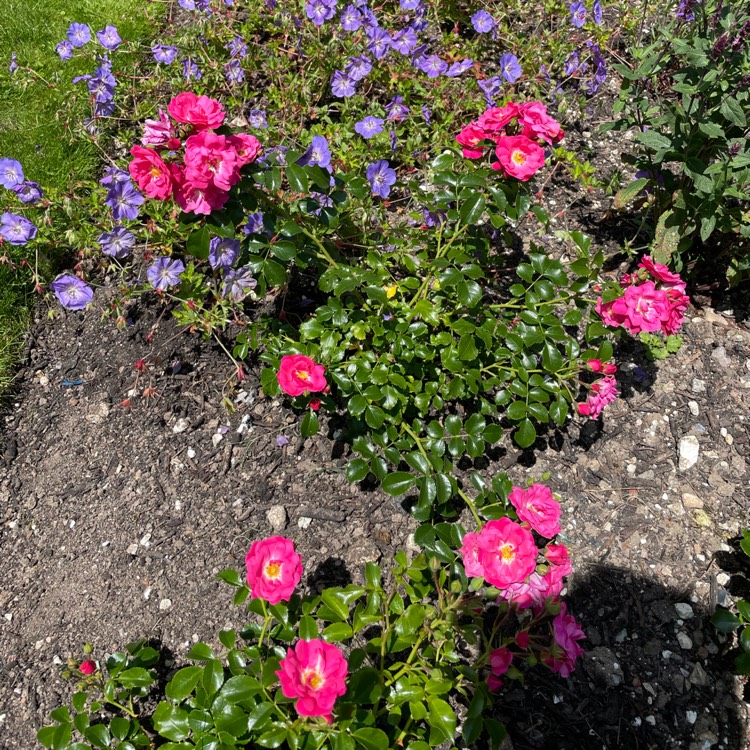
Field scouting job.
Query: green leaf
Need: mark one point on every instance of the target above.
(732, 110)
(742, 664)
(442, 721)
(516, 411)
(357, 405)
(135, 677)
(374, 416)
(183, 683)
(725, 621)
(370, 738)
(119, 727)
(98, 735)
(273, 737)
(558, 411)
(654, 140)
(398, 482)
(240, 688)
(624, 196)
(356, 470)
(308, 628)
(79, 701)
(213, 676)
(338, 631)
(469, 293)
(472, 208)
(171, 721)
(309, 425)
(61, 736)
(525, 435)
(198, 243)
(297, 178)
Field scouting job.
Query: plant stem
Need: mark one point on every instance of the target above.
(472, 507)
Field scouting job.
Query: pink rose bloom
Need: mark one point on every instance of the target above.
(518, 157)
(199, 200)
(470, 552)
(493, 120)
(87, 667)
(609, 315)
(567, 633)
(202, 112)
(150, 172)
(557, 555)
(470, 137)
(595, 365)
(678, 302)
(538, 508)
(247, 147)
(660, 272)
(211, 160)
(494, 683)
(538, 125)
(298, 374)
(507, 552)
(314, 673)
(526, 594)
(500, 660)
(158, 133)
(602, 392)
(645, 306)
(273, 569)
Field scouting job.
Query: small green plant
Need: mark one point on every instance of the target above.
(687, 94)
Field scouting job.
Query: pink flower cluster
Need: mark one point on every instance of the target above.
(516, 130)
(567, 632)
(654, 299)
(603, 391)
(203, 165)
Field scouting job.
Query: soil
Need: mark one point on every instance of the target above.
(117, 511)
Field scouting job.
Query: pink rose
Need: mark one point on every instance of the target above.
(493, 120)
(526, 594)
(298, 374)
(538, 125)
(211, 160)
(557, 554)
(273, 569)
(500, 660)
(660, 272)
(314, 673)
(567, 632)
(87, 667)
(150, 172)
(595, 365)
(494, 683)
(202, 112)
(522, 638)
(645, 306)
(199, 200)
(159, 132)
(507, 552)
(470, 553)
(602, 392)
(247, 147)
(518, 157)
(538, 508)
(678, 303)
(470, 137)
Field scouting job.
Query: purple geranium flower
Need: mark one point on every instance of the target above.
(238, 284)
(113, 176)
(190, 71)
(381, 177)
(17, 230)
(186, 4)
(426, 113)
(164, 273)
(254, 224)
(101, 90)
(223, 252)
(394, 141)
(164, 53)
(572, 63)
(118, 243)
(396, 109)
(257, 119)
(410, 4)
(28, 192)
(577, 14)
(64, 49)
(431, 65)
(491, 87)
(458, 68)
(404, 41)
(342, 85)
(11, 173)
(596, 12)
(78, 34)
(685, 10)
(483, 22)
(379, 42)
(351, 18)
(234, 72)
(124, 200)
(358, 67)
(510, 70)
(13, 67)
(319, 11)
(109, 38)
(318, 154)
(237, 47)
(72, 292)
(370, 126)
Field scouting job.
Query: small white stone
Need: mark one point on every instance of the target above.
(684, 610)
(666, 654)
(276, 516)
(246, 425)
(303, 522)
(71, 523)
(637, 721)
(651, 720)
(694, 408)
(145, 540)
(216, 438)
(684, 641)
(165, 604)
(8, 616)
(723, 432)
(132, 549)
(689, 450)
(191, 453)
(181, 425)
(44, 380)
(147, 593)
(691, 716)
(698, 385)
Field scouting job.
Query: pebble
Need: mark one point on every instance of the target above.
(698, 385)
(684, 610)
(181, 425)
(698, 676)
(216, 438)
(276, 517)
(702, 518)
(304, 522)
(694, 408)
(691, 716)
(191, 453)
(688, 450)
(691, 501)
(720, 355)
(165, 604)
(684, 640)
(132, 549)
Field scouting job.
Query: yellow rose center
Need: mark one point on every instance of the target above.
(155, 171)
(273, 570)
(302, 374)
(507, 552)
(314, 680)
(518, 157)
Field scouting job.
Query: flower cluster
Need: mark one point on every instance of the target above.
(653, 300)
(515, 130)
(203, 165)
(14, 228)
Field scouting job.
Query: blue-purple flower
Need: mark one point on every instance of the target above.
(319, 11)
(483, 22)
(113, 176)
(28, 192)
(255, 224)
(72, 292)
(317, 155)
(358, 67)
(118, 243)
(381, 178)
(79, 34)
(64, 49)
(256, 118)
(223, 252)
(396, 108)
(351, 18)
(164, 273)
(404, 41)
(458, 68)
(109, 38)
(379, 42)
(596, 12)
(13, 67)
(369, 126)
(190, 71)
(238, 283)
(234, 72)
(164, 53)
(431, 65)
(410, 4)
(342, 85)
(490, 87)
(11, 173)
(237, 47)
(510, 69)
(572, 63)
(17, 230)
(577, 14)
(426, 113)
(124, 200)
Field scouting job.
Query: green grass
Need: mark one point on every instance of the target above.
(32, 124)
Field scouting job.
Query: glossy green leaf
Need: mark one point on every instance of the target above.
(183, 683)
(398, 482)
